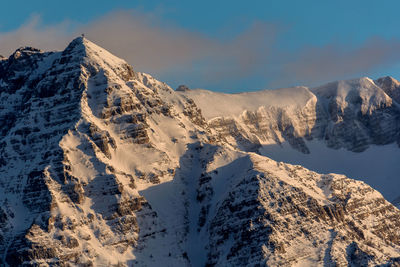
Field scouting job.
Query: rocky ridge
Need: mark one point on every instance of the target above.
(336, 127)
(351, 114)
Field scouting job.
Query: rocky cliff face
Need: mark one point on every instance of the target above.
(103, 165)
(78, 132)
(350, 114)
(283, 215)
(336, 127)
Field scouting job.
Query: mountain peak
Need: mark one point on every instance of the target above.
(390, 86)
(93, 51)
(76, 46)
(24, 51)
(79, 44)
(388, 79)
(85, 51)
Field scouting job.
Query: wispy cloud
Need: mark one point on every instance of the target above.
(152, 45)
(34, 33)
(312, 65)
(173, 53)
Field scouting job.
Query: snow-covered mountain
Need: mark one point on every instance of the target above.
(324, 129)
(102, 165)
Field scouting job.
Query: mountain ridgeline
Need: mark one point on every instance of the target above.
(351, 114)
(101, 165)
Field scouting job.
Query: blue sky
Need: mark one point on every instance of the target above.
(228, 46)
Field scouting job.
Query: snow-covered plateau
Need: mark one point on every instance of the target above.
(101, 165)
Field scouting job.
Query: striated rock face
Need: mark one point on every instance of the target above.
(350, 114)
(252, 210)
(101, 165)
(361, 114)
(78, 132)
(390, 86)
(272, 213)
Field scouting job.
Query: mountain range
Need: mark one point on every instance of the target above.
(102, 165)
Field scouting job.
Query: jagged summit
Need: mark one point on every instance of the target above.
(77, 46)
(388, 80)
(83, 47)
(80, 43)
(391, 87)
(333, 88)
(25, 51)
(94, 55)
(363, 93)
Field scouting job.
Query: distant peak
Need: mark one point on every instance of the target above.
(390, 86)
(182, 88)
(387, 80)
(25, 51)
(28, 49)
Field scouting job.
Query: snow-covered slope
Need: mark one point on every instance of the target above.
(316, 126)
(215, 104)
(102, 165)
(81, 132)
